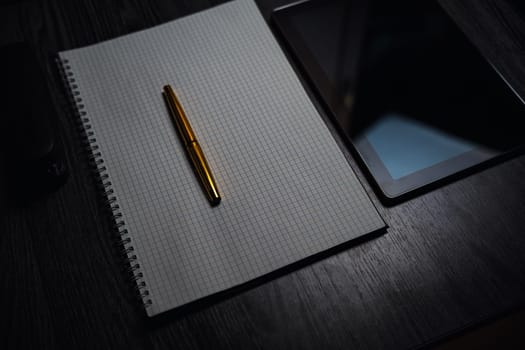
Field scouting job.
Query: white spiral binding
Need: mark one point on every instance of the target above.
(89, 142)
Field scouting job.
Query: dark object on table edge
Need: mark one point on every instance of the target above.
(33, 162)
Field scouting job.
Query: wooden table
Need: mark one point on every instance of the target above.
(452, 258)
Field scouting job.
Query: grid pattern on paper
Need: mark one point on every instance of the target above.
(287, 190)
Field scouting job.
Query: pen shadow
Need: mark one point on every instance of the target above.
(173, 315)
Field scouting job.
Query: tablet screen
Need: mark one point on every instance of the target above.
(404, 84)
(406, 146)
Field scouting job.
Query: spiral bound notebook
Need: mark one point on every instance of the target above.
(287, 190)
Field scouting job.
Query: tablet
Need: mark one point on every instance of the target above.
(416, 100)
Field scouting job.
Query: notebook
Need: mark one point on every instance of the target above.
(287, 190)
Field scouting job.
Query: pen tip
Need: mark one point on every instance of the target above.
(215, 201)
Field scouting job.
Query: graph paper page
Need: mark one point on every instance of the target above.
(287, 190)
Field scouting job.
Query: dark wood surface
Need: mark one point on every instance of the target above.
(452, 258)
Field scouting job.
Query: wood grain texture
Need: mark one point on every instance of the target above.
(452, 258)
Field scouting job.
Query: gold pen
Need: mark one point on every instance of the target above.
(192, 145)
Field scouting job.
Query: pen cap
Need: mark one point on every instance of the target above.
(178, 115)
